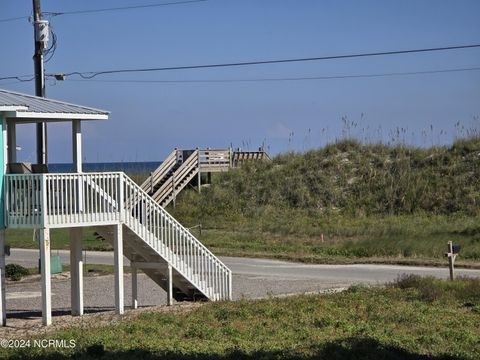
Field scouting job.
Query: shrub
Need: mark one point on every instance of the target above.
(15, 272)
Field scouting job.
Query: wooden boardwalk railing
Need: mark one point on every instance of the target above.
(165, 167)
(181, 166)
(240, 157)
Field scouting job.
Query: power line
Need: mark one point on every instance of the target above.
(92, 74)
(14, 18)
(302, 78)
(280, 79)
(48, 53)
(19, 78)
(14, 83)
(91, 11)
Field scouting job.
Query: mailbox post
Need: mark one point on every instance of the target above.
(452, 253)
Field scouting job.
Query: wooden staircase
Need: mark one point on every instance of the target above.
(181, 167)
(171, 177)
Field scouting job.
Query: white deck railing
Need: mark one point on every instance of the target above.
(72, 200)
(23, 201)
(62, 200)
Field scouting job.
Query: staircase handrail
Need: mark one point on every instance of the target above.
(153, 208)
(160, 171)
(177, 176)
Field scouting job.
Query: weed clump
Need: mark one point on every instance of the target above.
(15, 272)
(463, 289)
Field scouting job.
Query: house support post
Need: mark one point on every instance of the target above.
(77, 159)
(12, 141)
(134, 288)
(3, 307)
(170, 286)
(118, 260)
(77, 145)
(76, 271)
(46, 276)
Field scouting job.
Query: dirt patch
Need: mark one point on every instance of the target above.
(28, 327)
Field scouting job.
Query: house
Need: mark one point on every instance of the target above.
(122, 212)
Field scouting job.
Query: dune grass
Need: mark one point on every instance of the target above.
(367, 202)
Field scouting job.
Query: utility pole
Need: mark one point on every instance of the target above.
(41, 41)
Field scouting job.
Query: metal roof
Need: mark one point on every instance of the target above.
(29, 106)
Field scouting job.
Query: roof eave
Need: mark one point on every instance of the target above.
(26, 115)
(4, 108)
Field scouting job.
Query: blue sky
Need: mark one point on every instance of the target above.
(149, 119)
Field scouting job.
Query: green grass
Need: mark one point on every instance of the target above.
(396, 322)
(60, 239)
(98, 269)
(296, 235)
(88, 269)
(390, 239)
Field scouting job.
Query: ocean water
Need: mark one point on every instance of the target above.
(145, 167)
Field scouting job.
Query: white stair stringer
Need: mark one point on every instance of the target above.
(138, 252)
(183, 270)
(153, 236)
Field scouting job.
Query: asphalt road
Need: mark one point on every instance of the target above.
(252, 278)
(274, 269)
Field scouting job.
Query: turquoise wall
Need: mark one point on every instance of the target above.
(2, 174)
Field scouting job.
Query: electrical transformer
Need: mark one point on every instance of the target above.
(41, 32)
